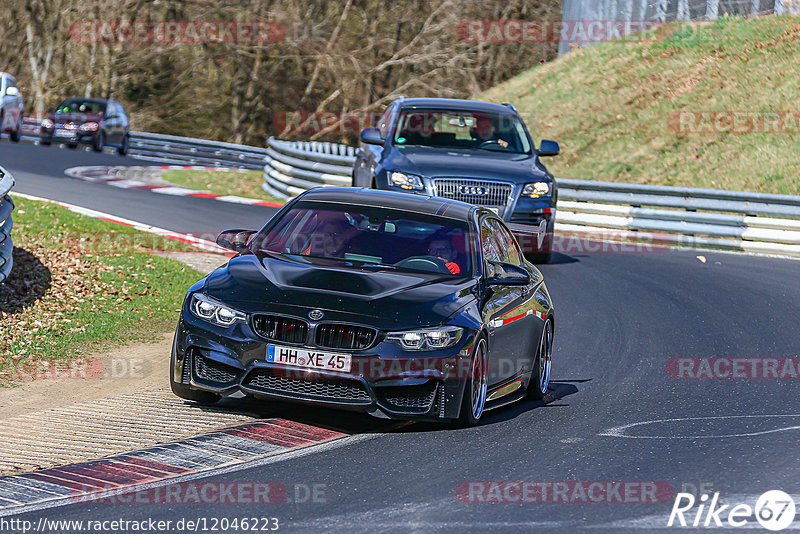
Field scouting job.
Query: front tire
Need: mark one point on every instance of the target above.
(45, 141)
(540, 374)
(123, 149)
(16, 136)
(473, 401)
(184, 392)
(99, 141)
(200, 397)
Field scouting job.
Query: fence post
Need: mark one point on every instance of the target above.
(683, 10)
(712, 9)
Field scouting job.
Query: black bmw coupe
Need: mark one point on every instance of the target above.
(400, 306)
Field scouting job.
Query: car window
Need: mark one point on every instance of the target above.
(508, 245)
(385, 122)
(489, 243)
(497, 132)
(78, 105)
(359, 236)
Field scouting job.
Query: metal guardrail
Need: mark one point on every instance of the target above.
(702, 218)
(705, 218)
(6, 207)
(178, 150)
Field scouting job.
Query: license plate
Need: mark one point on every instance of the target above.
(312, 359)
(61, 132)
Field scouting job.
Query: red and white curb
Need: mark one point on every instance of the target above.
(182, 459)
(189, 239)
(101, 174)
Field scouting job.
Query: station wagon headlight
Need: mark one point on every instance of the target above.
(406, 181)
(426, 338)
(215, 312)
(536, 190)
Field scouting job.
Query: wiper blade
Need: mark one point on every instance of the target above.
(377, 266)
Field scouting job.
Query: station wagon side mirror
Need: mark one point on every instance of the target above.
(507, 274)
(235, 240)
(548, 148)
(372, 136)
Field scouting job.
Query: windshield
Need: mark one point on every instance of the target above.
(501, 132)
(79, 105)
(369, 237)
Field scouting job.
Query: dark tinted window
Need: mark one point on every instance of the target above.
(80, 105)
(501, 132)
(369, 236)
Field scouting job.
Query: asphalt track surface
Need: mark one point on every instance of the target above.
(620, 318)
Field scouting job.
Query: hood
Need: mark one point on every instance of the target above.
(76, 118)
(433, 162)
(383, 299)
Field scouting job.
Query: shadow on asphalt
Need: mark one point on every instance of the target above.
(559, 259)
(358, 423)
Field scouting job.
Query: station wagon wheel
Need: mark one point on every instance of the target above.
(540, 374)
(474, 398)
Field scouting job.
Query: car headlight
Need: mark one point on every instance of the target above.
(47, 124)
(215, 312)
(89, 127)
(536, 190)
(426, 338)
(406, 181)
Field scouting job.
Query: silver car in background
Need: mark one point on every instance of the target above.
(11, 108)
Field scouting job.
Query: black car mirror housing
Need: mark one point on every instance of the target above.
(508, 274)
(548, 148)
(235, 240)
(372, 136)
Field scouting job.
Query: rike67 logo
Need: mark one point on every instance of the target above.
(774, 510)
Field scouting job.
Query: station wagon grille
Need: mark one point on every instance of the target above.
(278, 328)
(344, 336)
(479, 192)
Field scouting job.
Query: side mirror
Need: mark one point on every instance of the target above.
(12, 91)
(51, 110)
(371, 136)
(548, 148)
(507, 274)
(235, 240)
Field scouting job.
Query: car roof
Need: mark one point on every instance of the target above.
(427, 205)
(455, 104)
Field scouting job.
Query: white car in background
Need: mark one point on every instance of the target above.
(11, 107)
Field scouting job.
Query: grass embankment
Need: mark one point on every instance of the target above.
(241, 183)
(616, 107)
(80, 285)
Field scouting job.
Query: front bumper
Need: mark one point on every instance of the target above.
(73, 138)
(384, 380)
